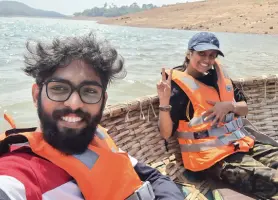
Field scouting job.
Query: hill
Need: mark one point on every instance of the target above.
(14, 8)
(241, 16)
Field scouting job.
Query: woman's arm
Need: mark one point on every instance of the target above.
(169, 121)
(165, 124)
(164, 95)
(220, 109)
(171, 94)
(240, 108)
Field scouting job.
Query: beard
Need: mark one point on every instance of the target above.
(68, 140)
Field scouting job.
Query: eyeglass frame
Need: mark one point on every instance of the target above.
(73, 88)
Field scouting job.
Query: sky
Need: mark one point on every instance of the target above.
(69, 7)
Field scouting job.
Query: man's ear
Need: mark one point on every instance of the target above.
(105, 98)
(35, 94)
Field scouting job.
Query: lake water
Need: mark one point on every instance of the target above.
(145, 51)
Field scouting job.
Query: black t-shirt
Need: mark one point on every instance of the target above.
(179, 100)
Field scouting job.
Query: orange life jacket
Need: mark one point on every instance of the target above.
(201, 144)
(101, 172)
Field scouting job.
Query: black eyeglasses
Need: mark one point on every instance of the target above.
(90, 92)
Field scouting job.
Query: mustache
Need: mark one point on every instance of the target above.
(57, 114)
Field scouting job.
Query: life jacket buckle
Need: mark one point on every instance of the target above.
(201, 134)
(236, 145)
(229, 117)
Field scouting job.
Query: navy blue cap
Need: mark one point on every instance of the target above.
(204, 41)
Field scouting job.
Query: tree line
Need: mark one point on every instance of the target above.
(114, 11)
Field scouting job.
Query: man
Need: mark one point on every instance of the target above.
(70, 156)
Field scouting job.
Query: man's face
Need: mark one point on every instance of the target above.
(69, 118)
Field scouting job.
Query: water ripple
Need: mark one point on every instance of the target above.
(145, 50)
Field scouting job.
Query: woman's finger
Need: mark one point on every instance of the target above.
(209, 117)
(163, 74)
(165, 84)
(222, 118)
(211, 102)
(209, 111)
(216, 119)
(170, 77)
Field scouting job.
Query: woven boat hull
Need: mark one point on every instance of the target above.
(134, 127)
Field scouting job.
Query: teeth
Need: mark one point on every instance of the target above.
(204, 65)
(72, 119)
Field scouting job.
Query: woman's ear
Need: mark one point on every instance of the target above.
(35, 94)
(188, 54)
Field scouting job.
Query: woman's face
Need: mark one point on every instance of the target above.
(202, 61)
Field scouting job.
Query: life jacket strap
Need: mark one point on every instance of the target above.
(195, 121)
(223, 140)
(19, 130)
(213, 132)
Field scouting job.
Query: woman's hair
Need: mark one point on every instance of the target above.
(43, 60)
(185, 63)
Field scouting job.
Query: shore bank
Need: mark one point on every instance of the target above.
(239, 16)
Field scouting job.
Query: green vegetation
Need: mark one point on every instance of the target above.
(113, 10)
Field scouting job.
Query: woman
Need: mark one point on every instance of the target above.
(203, 107)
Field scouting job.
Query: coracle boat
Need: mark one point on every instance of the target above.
(134, 127)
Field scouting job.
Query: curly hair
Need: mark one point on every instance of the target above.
(43, 60)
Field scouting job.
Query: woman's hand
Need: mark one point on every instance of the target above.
(218, 111)
(164, 88)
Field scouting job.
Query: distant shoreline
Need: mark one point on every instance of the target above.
(244, 16)
(85, 18)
